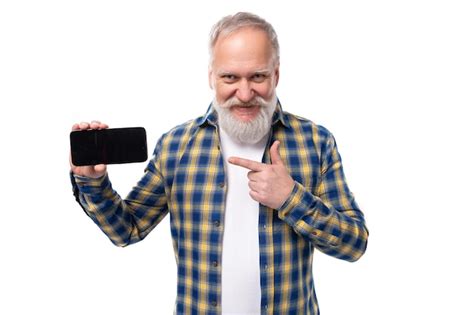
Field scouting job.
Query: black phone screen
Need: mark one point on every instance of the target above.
(108, 146)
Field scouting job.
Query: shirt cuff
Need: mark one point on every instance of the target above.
(295, 198)
(301, 203)
(296, 205)
(87, 185)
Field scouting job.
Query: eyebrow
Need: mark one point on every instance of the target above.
(263, 71)
(260, 71)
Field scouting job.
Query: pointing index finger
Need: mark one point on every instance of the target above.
(248, 164)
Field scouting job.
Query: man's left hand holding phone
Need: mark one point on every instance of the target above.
(91, 171)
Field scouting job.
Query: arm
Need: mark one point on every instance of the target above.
(124, 221)
(328, 217)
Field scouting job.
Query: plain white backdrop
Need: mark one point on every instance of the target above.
(393, 81)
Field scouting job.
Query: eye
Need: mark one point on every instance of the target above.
(229, 78)
(259, 77)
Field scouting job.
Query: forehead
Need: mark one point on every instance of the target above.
(247, 49)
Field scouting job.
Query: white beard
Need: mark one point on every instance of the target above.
(249, 132)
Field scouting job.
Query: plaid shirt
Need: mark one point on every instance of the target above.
(186, 178)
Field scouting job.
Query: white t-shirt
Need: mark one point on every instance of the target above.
(240, 257)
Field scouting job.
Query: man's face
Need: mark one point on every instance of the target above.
(243, 70)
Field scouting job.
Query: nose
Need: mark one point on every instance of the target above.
(245, 93)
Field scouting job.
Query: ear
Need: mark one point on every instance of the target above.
(210, 78)
(277, 74)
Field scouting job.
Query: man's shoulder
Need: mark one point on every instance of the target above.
(183, 129)
(305, 124)
(180, 135)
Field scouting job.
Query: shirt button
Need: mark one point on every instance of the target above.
(266, 266)
(214, 263)
(221, 185)
(266, 306)
(264, 226)
(214, 303)
(217, 223)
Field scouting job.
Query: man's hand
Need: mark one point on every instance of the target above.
(93, 171)
(270, 184)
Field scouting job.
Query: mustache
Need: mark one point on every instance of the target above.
(256, 101)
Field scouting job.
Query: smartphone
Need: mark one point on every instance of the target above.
(108, 146)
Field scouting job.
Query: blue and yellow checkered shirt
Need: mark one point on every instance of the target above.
(186, 178)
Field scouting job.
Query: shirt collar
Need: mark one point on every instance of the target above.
(211, 116)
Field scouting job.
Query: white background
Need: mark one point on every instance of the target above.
(393, 80)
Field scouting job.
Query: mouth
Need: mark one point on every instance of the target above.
(245, 113)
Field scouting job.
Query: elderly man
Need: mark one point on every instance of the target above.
(251, 190)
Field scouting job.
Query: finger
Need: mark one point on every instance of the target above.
(84, 126)
(100, 168)
(257, 187)
(103, 126)
(274, 154)
(252, 175)
(95, 124)
(254, 186)
(248, 164)
(76, 127)
(255, 196)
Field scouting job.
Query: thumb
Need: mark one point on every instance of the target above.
(100, 169)
(274, 155)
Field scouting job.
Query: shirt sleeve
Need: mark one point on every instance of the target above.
(124, 221)
(328, 215)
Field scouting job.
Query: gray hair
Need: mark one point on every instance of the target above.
(231, 23)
